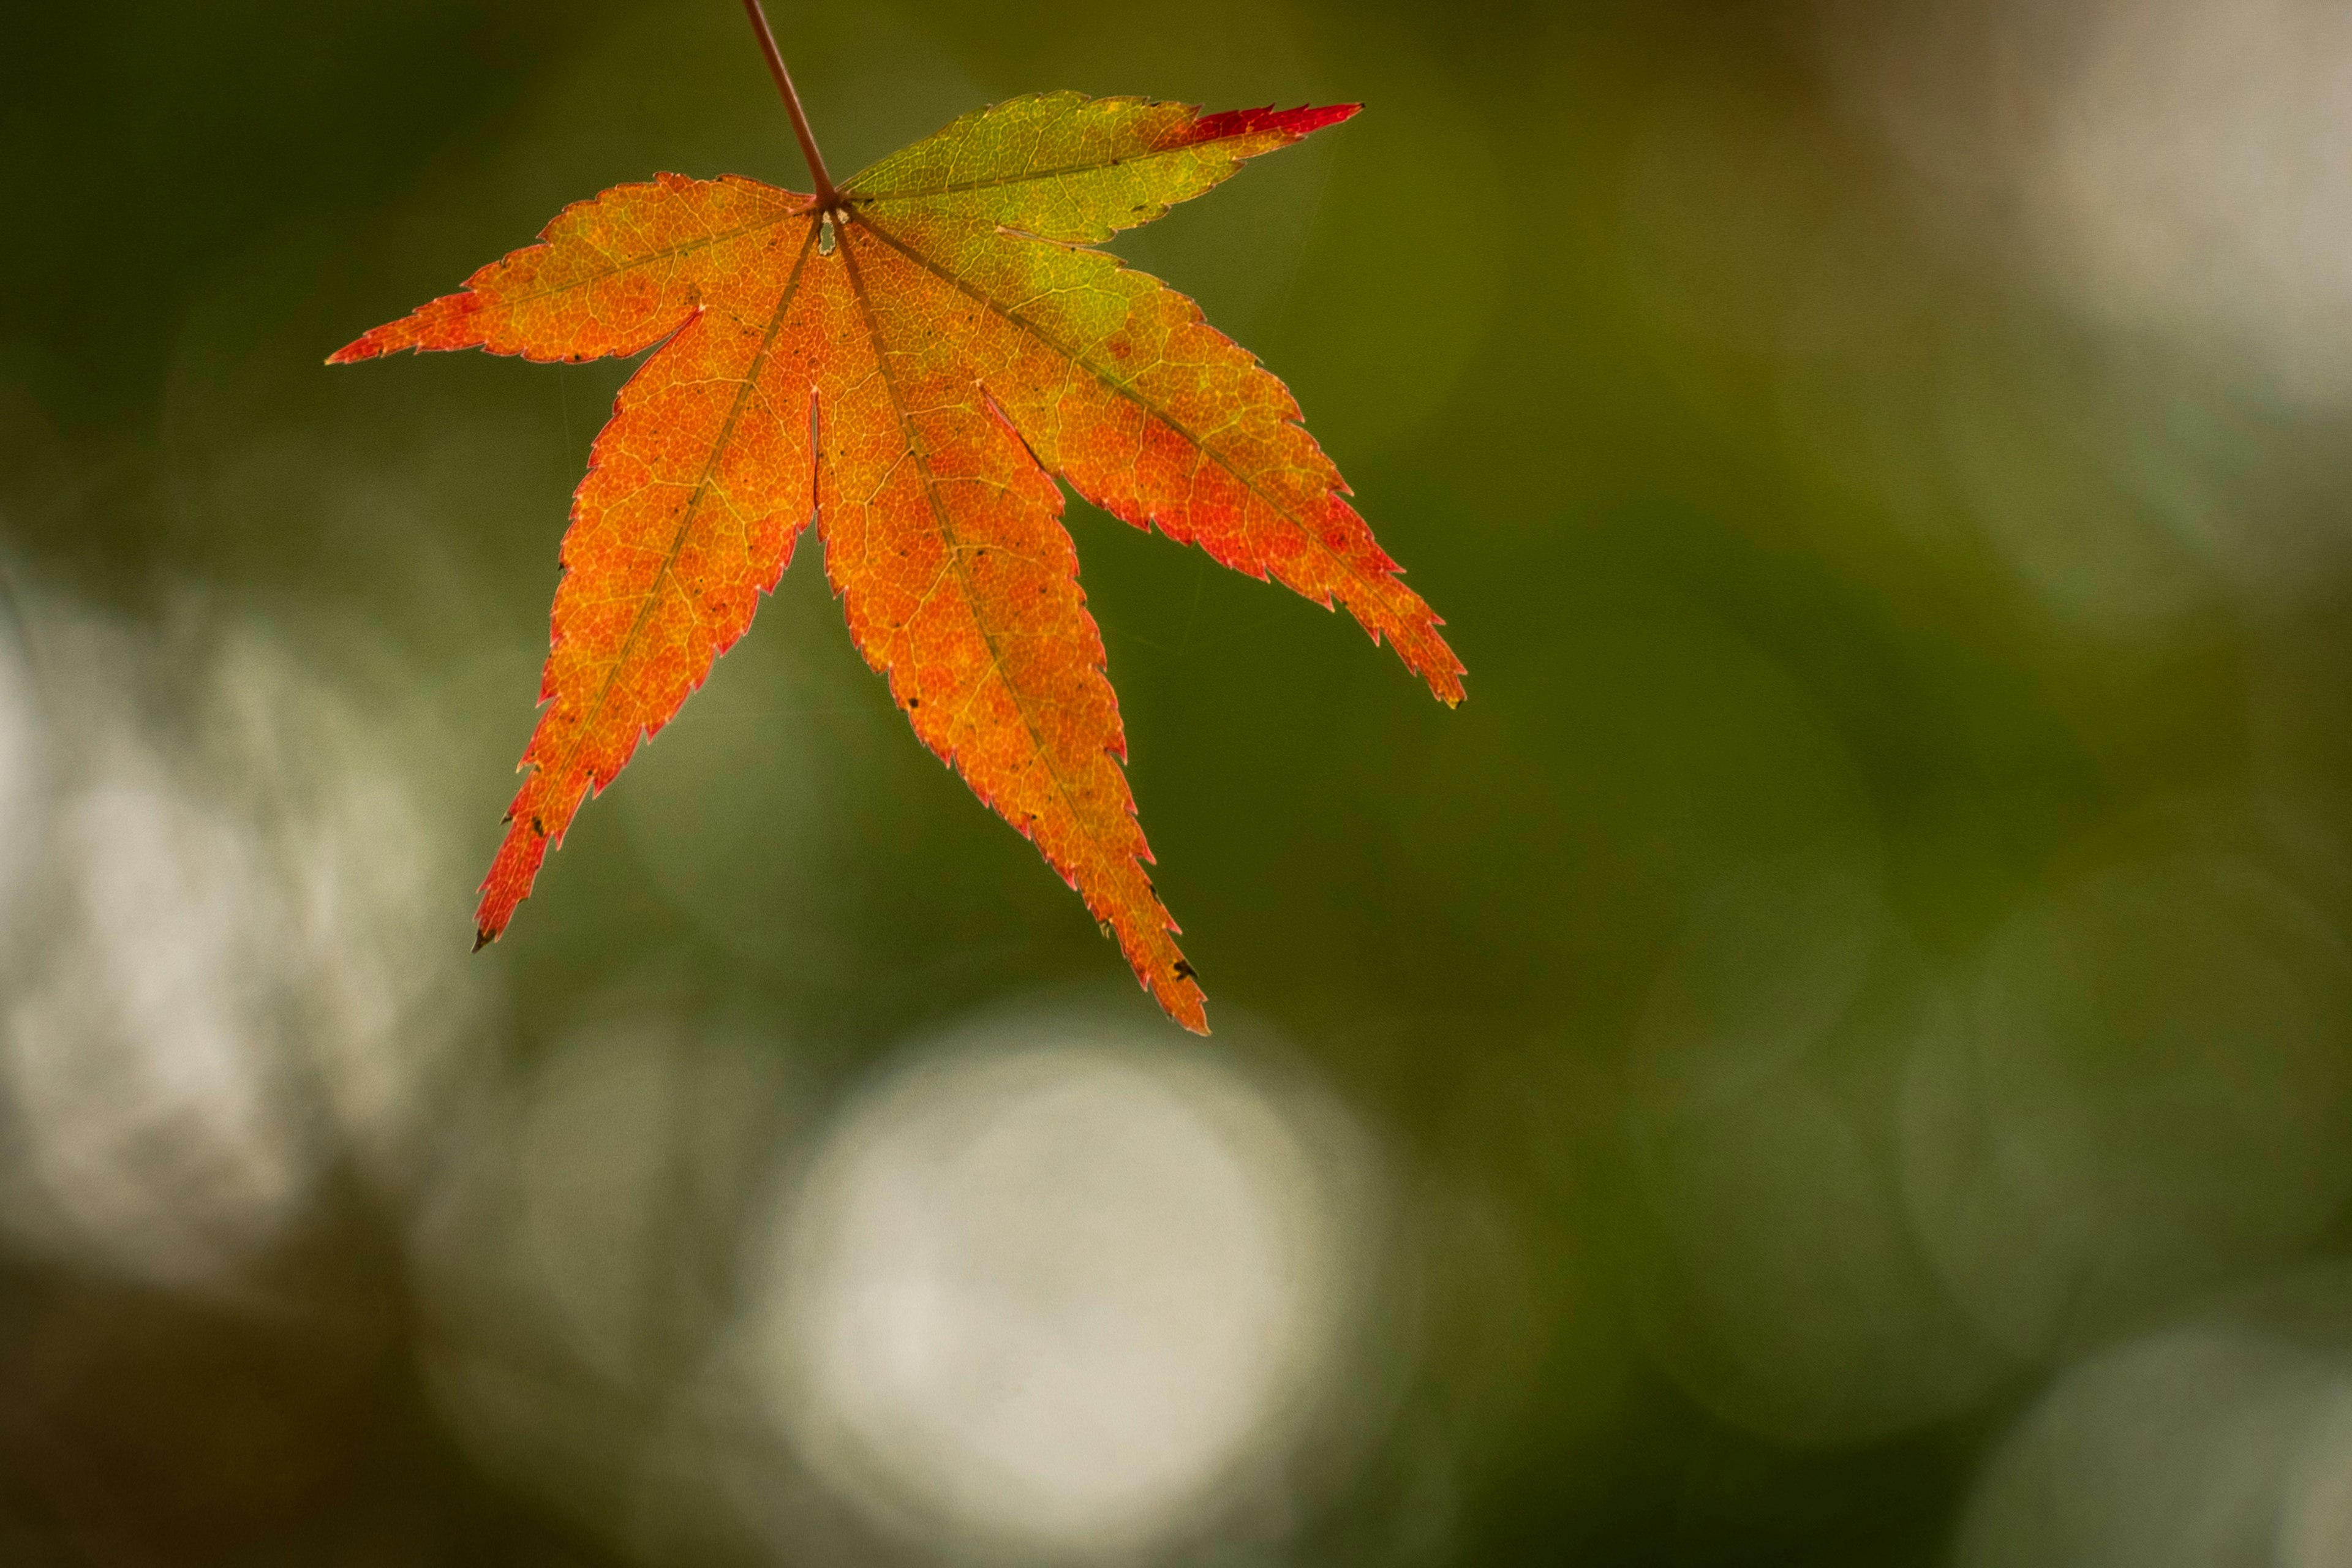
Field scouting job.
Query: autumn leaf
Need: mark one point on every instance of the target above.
(910, 359)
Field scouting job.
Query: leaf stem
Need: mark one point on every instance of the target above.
(827, 197)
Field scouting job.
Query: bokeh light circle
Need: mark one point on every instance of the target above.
(1054, 1287)
(2220, 1440)
(1780, 1282)
(2149, 1098)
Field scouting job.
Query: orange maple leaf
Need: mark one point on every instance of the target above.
(910, 359)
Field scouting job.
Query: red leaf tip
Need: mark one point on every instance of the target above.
(1292, 123)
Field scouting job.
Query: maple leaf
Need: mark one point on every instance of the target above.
(910, 359)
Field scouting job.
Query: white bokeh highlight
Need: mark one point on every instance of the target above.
(233, 984)
(1054, 1288)
(2191, 176)
(2224, 1441)
(2172, 168)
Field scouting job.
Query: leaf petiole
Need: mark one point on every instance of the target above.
(827, 197)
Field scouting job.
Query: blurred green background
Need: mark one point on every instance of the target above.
(1839, 1052)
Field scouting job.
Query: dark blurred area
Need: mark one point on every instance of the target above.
(1840, 1052)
